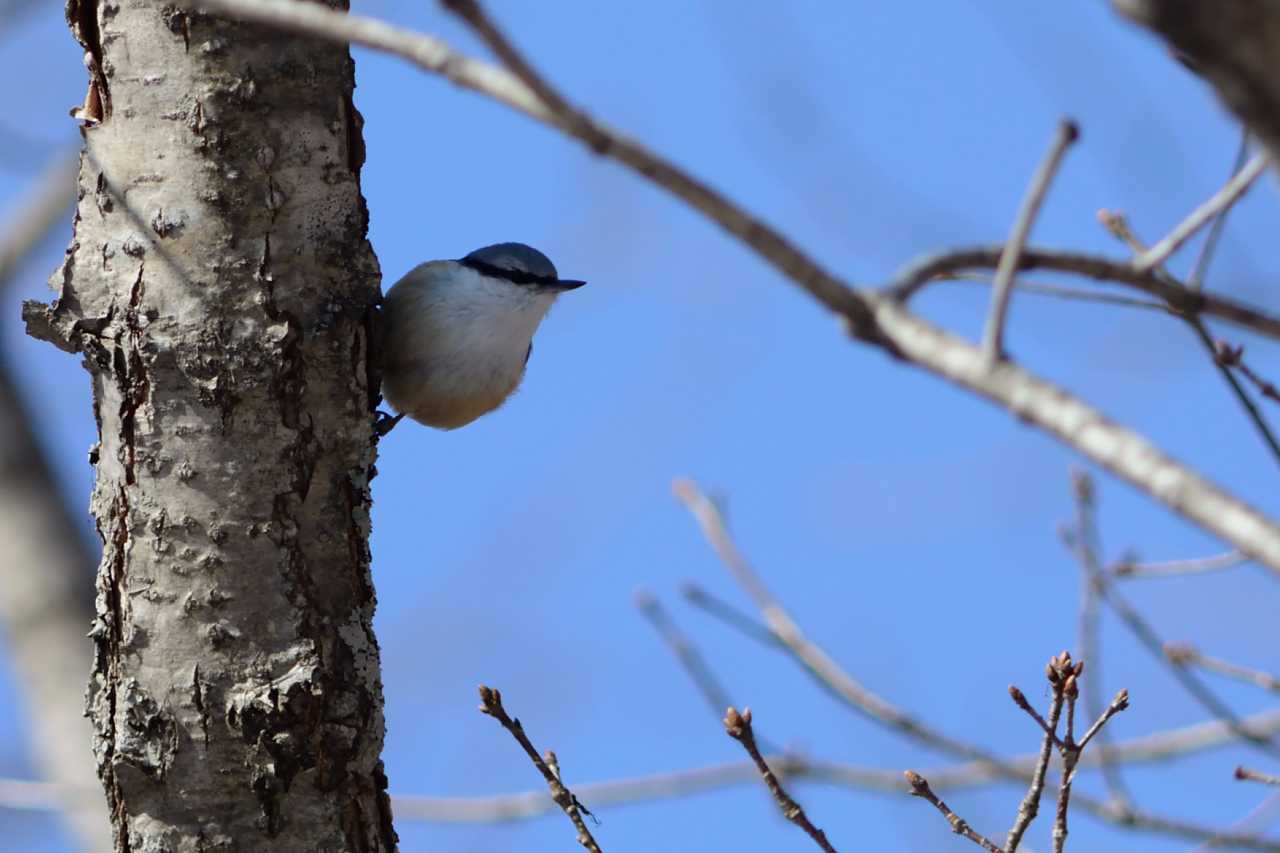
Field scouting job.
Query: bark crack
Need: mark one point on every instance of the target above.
(131, 375)
(197, 698)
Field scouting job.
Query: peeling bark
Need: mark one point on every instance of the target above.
(221, 289)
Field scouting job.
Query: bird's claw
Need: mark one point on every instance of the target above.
(385, 423)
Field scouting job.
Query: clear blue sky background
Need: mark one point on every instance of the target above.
(910, 527)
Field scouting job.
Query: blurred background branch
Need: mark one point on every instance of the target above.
(45, 564)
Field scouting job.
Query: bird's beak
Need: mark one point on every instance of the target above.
(562, 284)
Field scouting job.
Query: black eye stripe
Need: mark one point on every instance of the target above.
(526, 279)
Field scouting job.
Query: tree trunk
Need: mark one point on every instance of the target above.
(221, 289)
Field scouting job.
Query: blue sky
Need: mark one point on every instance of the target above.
(909, 527)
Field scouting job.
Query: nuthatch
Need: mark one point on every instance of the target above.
(456, 335)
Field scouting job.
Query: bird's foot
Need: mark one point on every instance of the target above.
(386, 423)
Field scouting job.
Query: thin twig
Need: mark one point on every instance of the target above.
(920, 788)
(1214, 350)
(524, 805)
(1160, 746)
(1233, 356)
(1178, 568)
(1064, 678)
(1118, 703)
(1085, 544)
(1220, 201)
(816, 662)
(1002, 289)
(870, 317)
(1119, 226)
(840, 684)
(1138, 625)
(1184, 653)
(738, 726)
(475, 17)
(726, 613)
(491, 704)
(1030, 806)
(1074, 294)
(689, 657)
(1020, 699)
(939, 266)
(1210, 246)
(1245, 774)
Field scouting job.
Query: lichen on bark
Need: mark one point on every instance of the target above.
(221, 289)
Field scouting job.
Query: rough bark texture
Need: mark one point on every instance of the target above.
(221, 288)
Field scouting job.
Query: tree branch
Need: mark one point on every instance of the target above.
(1215, 205)
(1002, 287)
(1139, 626)
(920, 788)
(738, 726)
(938, 266)
(1184, 653)
(491, 704)
(1245, 774)
(1030, 806)
(1174, 568)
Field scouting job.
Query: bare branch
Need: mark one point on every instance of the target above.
(1075, 294)
(920, 788)
(1157, 747)
(1030, 806)
(1245, 774)
(1138, 625)
(1064, 677)
(946, 264)
(491, 704)
(1210, 245)
(1002, 289)
(690, 658)
(831, 677)
(1176, 568)
(1232, 356)
(1084, 543)
(825, 671)
(1118, 704)
(1020, 699)
(1119, 226)
(738, 726)
(1218, 203)
(1184, 653)
(729, 615)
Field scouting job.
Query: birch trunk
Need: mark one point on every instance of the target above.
(221, 289)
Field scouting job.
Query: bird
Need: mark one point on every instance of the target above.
(456, 335)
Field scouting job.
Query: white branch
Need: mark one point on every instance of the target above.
(1002, 287)
(1220, 201)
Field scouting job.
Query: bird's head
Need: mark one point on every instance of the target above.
(522, 265)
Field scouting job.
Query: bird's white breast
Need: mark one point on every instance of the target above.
(455, 342)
